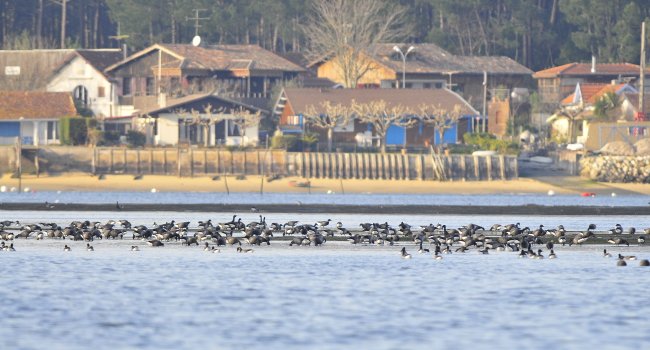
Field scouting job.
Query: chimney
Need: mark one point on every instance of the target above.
(593, 64)
(125, 52)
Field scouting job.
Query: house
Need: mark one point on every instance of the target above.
(203, 120)
(77, 71)
(428, 66)
(33, 116)
(581, 107)
(82, 74)
(152, 78)
(294, 102)
(556, 83)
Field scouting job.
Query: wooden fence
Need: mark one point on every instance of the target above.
(198, 162)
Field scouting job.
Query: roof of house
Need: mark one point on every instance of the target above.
(219, 57)
(592, 92)
(35, 105)
(182, 104)
(101, 59)
(432, 59)
(38, 66)
(300, 99)
(584, 69)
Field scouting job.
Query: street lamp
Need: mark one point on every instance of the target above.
(404, 55)
(20, 154)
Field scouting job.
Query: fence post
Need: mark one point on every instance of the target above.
(151, 160)
(165, 161)
(205, 162)
(502, 165)
(93, 162)
(112, 161)
(125, 161)
(463, 167)
(488, 159)
(477, 171)
(178, 161)
(137, 160)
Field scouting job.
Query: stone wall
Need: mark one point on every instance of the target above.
(626, 169)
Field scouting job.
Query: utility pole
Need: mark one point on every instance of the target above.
(197, 18)
(484, 117)
(642, 75)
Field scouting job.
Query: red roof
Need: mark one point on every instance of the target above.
(584, 69)
(592, 92)
(36, 105)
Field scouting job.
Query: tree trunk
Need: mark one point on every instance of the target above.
(96, 27)
(39, 25)
(64, 5)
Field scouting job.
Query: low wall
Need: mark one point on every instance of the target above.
(210, 162)
(616, 169)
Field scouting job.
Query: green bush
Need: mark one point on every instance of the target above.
(111, 138)
(489, 142)
(284, 141)
(74, 130)
(136, 138)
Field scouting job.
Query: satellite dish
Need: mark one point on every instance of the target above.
(196, 41)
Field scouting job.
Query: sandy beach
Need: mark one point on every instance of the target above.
(86, 182)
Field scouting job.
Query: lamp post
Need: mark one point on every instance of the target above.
(20, 154)
(404, 55)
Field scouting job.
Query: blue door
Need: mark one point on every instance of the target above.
(395, 135)
(449, 135)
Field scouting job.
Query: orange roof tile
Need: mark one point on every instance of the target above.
(35, 105)
(580, 69)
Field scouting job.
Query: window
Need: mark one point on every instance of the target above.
(80, 94)
(51, 130)
(126, 86)
(150, 86)
(101, 91)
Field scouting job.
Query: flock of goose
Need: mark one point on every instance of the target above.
(526, 242)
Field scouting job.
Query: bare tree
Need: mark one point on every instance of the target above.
(440, 118)
(348, 31)
(382, 116)
(209, 116)
(245, 119)
(328, 117)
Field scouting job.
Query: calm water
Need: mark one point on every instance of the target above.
(331, 297)
(305, 198)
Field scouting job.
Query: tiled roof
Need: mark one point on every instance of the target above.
(592, 92)
(35, 105)
(412, 98)
(36, 66)
(587, 91)
(101, 59)
(430, 58)
(584, 69)
(225, 57)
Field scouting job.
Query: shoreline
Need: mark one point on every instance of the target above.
(339, 209)
(258, 184)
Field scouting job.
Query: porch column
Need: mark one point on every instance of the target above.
(35, 132)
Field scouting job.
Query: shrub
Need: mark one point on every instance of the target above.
(136, 138)
(490, 142)
(111, 138)
(284, 141)
(73, 130)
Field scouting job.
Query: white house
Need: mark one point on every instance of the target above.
(204, 120)
(82, 75)
(33, 116)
